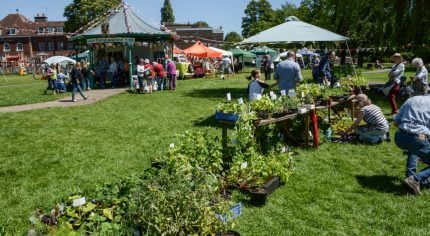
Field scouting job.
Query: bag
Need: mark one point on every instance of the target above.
(387, 89)
(146, 88)
(155, 86)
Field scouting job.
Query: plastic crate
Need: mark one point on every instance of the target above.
(227, 117)
(236, 211)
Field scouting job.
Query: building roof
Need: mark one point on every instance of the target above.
(121, 22)
(24, 26)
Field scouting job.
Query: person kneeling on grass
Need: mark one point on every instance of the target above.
(413, 122)
(255, 86)
(376, 129)
(76, 77)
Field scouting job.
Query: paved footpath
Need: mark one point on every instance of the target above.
(94, 96)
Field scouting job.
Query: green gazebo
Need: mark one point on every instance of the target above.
(123, 35)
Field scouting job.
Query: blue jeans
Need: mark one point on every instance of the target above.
(416, 148)
(161, 81)
(77, 88)
(368, 133)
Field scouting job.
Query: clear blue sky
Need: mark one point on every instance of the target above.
(225, 13)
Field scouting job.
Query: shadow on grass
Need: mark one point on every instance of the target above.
(208, 122)
(382, 183)
(218, 93)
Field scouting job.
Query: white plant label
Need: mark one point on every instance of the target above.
(240, 101)
(79, 202)
(283, 93)
(229, 97)
(272, 93)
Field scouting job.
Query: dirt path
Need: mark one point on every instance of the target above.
(94, 96)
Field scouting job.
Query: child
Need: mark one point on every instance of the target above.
(255, 86)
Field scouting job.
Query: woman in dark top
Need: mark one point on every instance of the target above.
(76, 78)
(86, 85)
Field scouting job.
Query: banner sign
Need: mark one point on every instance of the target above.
(124, 41)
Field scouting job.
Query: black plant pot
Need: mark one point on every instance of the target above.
(228, 233)
(258, 197)
(272, 184)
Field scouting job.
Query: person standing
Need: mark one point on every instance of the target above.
(413, 122)
(267, 67)
(420, 80)
(149, 75)
(86, 85)
(314, 64)
(395, 78)
(324, 69)
(76, 78)
(288, 73)
(113, 70)
(48, 75)
(141, 74)
(171, 74)
(160, 74)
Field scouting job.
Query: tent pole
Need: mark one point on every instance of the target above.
(349, 52)
(130, 67)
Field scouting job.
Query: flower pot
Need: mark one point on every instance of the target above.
(258, 196)
(272, 184)
(227, 117)
(228, 233)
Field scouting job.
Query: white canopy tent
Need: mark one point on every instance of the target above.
(294, 31)
(60, 60)
(225, 54)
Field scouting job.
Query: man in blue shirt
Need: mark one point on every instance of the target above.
(288, 73)
(413, 121)
(324, 71)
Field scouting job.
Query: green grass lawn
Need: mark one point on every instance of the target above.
(338, 189)
(17, 90)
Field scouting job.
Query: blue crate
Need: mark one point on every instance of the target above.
(236, 211)
(227, 117)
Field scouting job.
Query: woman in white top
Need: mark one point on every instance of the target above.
(420, 80)
(395, 76)
(256, 86)
(141, 74)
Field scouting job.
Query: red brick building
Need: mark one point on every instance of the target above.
(189, 34)
(22, 39)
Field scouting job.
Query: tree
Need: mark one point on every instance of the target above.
(201, 24)
(81, 12)
(167, 13)
(259, 16)
(233, 37)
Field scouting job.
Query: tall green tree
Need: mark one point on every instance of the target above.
(259, 16)
(233, 37)
(167, 15)
(250, 18)
(81, 12)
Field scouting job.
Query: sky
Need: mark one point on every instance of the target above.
(225, 13)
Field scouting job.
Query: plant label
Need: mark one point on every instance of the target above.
(229, 97)
(240, 101)
(303, 94)
(79, 202)
(291, 93)
(273, 97)
(271, 93)
(283, 93)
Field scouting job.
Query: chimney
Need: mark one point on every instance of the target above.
(40, 18)
(17, 11)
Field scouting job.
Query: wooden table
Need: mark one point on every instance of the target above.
(307, 114)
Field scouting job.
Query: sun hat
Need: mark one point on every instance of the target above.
(398, 55)
(147, 61)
